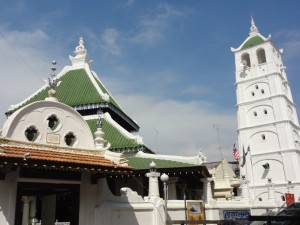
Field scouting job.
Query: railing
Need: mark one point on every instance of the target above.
(217, 222)
(35, 222)
(61, 223)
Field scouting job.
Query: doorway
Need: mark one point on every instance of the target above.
(47, 202)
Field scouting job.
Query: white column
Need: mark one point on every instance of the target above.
(245, 190)
(32, 208)
(25, 216)
(153, 181)
(271, 192)
(290, 187)
(207, 192)
(172, 188)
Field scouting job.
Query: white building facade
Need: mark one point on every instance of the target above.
(268, 127)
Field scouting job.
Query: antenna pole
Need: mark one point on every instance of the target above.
(220, 148)
(218, 133)
(156, 142)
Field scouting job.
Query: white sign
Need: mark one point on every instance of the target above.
(53, 138)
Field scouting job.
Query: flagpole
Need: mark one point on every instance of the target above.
(244, 162)
(254, 190)
(220, 149)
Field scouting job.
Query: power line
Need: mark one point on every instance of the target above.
(20, 56)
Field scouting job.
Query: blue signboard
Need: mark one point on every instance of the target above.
(236, 214)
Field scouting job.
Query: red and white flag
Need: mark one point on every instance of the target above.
(235, 153)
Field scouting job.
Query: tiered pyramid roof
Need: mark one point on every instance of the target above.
(81, 89)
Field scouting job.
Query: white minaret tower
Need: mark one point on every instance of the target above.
(267, 120)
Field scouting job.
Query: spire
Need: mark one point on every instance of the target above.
(81, 55)
(253, 29)
(53, 83)
(80, 49)
(100, 117)
(99, 134)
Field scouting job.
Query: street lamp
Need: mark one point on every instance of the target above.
(164, 178)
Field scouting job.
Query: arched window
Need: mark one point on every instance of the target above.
(70, 139)
(261, 56)
(52, 122)
(252, 93)
(246, 57)
(31, 133)
(262, 91)
(265, 112)
(263, 137)
(255, 113)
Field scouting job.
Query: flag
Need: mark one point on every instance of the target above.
(235, 153)
(244, 156)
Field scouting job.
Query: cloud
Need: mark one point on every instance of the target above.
(168, 126)
(153, 26)
(290, 42)
(24, 66)
(110, 37)
(129, 3)
(182, 128)
(197, 90)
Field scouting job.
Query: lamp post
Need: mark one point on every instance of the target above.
(164, 178)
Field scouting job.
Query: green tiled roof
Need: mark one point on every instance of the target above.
(76, 88)
(114, 136)
(252, 42)
(144, 163)
(112, 100)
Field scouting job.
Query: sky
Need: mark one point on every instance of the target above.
(167, 63)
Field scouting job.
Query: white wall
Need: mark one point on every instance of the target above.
(8, 190)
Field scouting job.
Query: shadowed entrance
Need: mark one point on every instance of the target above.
(47, 202)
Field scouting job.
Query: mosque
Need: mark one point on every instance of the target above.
(68, 154)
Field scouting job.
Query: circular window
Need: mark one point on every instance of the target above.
(70, 139)
(31, 133)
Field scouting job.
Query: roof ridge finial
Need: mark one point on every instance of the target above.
(80, 49)
(52, 82)
(100, 118)
(99, 134)
(253, 29)
(81, 55)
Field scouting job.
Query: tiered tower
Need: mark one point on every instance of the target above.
(267, 119)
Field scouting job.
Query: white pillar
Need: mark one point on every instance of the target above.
(32, 208)
(25, 216)
(245, 190)
(271, 192)
(153, 181)
(172, 188)
(290, 187)
(207, 192)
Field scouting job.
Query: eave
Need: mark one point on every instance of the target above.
(22, 157)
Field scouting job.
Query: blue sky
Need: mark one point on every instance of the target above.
(168, 63)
